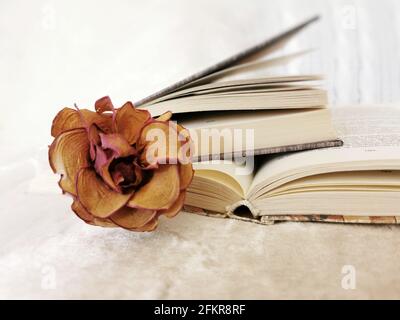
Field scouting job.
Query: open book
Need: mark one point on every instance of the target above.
(359, 182)
(289, 110)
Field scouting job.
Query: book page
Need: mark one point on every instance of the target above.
(238, 84)
(371, 137)
(241, 69)
(251, 54)
(225, 167)
(294, 99)
(368, 126)
(228, 135)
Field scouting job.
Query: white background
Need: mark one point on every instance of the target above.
(56, 53)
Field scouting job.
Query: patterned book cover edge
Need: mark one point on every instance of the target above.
(273, 150)
(269, 220)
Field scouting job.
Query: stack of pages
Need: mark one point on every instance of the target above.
(272, 114)
(356, 183)
(248, 133)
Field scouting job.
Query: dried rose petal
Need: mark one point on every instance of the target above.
(96, 197)
(118, 144)
(126, 174)
(130, 121)
(105, 223)
(94, 140)
(175, 208)
(130, 218)
(104, 104)
(81, 212)
(160, 192)
(186, 173)
(166, 116)
(69, 118)
(68, 153)
(150, 226)
(102, 165)
(159, 143)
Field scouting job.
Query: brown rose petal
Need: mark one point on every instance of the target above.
(81, 212)
(160, 192)
(117, 177)
(94, 140)
(186, 173)
(105, 223)
(130, 218)
(104, 104)
(69, 118)
(129, 121)
(166, 116)
(96, 197)
(118, 144)
(175, 208)
(183, 132)
(127, 174)
(155, 149)
(150, 226)
(102, 165)
(66, 119)
(68, 153)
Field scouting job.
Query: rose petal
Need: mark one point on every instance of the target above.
(117, 177)
(104, 104)
(183, 132)
(176, 207)
(150, 226)
(160, 192)
(102, 164)
(159, 143)
(66, 119)
(105, 223)
(94, 139)
(103, 121)
(139, 221)
(129, 122)
(127, 174)
(130, 218)
(186, 173)
(96, 197)
(68, 153)
(69, 118)
(81, 212)
(118, 144)
(165, 116)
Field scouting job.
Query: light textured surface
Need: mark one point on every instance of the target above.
(55, 53)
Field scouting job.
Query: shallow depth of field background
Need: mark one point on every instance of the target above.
(55, 53)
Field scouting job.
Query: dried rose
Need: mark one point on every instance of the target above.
(122, 167)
